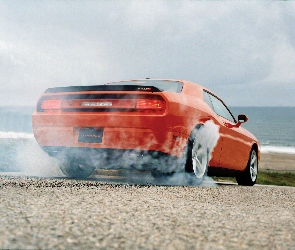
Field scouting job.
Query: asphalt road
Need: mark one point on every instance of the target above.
(57, 213)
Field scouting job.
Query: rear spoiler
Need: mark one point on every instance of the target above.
(104, 88)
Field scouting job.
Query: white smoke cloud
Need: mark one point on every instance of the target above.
(205, 141)
(32, 161)
(207, 136)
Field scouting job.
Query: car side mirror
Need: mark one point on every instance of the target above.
(242, 119)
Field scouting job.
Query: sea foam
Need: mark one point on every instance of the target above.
(14, 135)
(277, 149)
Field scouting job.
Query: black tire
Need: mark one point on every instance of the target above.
(249, 175)
(197, 157)
(75, 170)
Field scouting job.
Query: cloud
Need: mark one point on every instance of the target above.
(221, 45)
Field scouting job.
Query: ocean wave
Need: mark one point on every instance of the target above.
(14, 135)
(277, 149)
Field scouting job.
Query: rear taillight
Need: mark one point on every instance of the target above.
(150, 104)
(144, 104)
(155, 105)
(50, 105)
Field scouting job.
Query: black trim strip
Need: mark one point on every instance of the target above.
(104, 88)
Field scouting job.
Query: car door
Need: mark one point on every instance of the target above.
(232, 145)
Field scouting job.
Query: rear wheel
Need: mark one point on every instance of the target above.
(76, 170)
(249, 176)
(197, 158)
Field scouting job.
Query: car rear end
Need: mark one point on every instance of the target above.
(131, 120)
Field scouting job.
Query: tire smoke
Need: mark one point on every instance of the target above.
(205, 140)
(32, 161)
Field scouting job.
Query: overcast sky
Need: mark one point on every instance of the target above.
(242, 51)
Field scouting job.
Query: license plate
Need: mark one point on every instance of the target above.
(90, 135)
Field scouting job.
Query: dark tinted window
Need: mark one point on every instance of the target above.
(171, 86)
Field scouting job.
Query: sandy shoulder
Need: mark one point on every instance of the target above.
(278, 162)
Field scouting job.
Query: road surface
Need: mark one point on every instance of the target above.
(58, 213)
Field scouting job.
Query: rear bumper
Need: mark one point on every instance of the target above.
(159, 133)
(133, 139)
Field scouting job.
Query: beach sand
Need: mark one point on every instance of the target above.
(277, 162)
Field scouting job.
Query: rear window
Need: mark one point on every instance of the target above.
(171, 86)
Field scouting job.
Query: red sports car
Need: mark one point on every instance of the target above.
(165, 126)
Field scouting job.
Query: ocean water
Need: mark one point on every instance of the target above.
(16, 121)
(273, 126)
